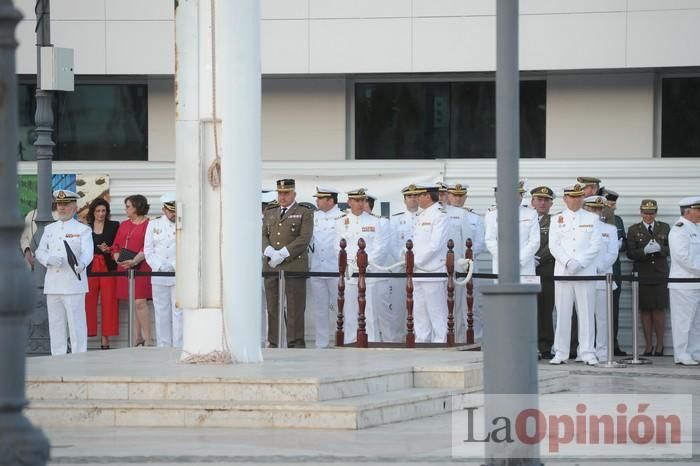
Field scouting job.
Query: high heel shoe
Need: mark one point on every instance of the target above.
(104, 347)
(140, 343)
(647, 353)
(659, 353)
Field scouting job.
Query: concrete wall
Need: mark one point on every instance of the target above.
(380, 36)
(600, 116)
(303, 119)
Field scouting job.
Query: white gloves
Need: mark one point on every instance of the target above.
(54, 261)
(79, 268)
(283, 253)
(573, 266)
(462, 265)
(269, 251)
(619, 244)
(276, 256)
(537, 261)
(652, 247)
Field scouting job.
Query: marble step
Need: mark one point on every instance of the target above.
(350, 413)
(467, 376)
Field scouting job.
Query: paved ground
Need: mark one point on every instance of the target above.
(425, 441)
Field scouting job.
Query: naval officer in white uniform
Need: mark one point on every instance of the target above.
(684, 243)
(574, 241)
(323, 258)
(65, 284)
(160, 250)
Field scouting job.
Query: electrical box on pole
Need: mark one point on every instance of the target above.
(57, 69)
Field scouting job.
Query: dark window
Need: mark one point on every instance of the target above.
(95, 122)
(680, 117)
(442, 120)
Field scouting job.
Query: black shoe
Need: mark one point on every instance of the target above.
(647, 353)
(104, 347)
(547, 355)
(659, 353)
(619, 352)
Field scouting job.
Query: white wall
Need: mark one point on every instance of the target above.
(303, 119)
(382, 36)
(600, 116)
(161, 119)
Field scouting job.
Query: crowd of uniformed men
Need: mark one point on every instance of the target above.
(585, 239)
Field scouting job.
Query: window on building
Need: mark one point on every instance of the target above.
(95, 122)
(680, 117)
(442, 120)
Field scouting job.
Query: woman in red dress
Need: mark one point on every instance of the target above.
(104, 231)
(131, 236)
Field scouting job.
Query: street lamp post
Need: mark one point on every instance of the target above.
(20, 442)
(39, 333)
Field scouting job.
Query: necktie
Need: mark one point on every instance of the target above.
(651, 232)
(284, 211)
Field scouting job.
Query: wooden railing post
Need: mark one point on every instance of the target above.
(342, 267)
(450, 263)
(469, 254)
(361, 294)
(410, 334)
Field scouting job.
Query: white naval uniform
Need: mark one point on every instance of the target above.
(478, 246)
(159, 247)
(529, 233)
(65, 294)
(323, 258)
(459, 230)
(430, 235)
(684, 242)
(351, 228)
(380, 293)
(604, 264)
(401, 225)
(575, 236)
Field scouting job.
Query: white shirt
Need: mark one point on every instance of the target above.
(401, 225)
(575, 235)
(479, 232)
(322, 249)
(529, 234)
(369, 227)
(459, 229)
(684, 242)
(607, 254)
(160, 249)
(61, 279)
(430, 235)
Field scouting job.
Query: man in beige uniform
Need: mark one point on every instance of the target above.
(286, 234)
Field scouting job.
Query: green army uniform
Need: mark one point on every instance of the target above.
(292, 230)
(654, 266)
(545, 270)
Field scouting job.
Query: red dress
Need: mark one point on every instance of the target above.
(132, 236)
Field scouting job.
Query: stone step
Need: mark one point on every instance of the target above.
(350, 413)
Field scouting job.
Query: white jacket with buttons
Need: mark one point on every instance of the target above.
(61, 279)
(159, 247)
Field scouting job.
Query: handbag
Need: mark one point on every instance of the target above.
(124, 253)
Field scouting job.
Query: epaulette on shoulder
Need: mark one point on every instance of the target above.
(307, 205)
(443, 210)
(272, 206)
(398, 213)
(374, 215)
(554, 214)
(679, 224)
(492, 208)
(340, 216)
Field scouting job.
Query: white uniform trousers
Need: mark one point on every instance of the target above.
(324, 299)
(168, 317)
(685, 323)
(601, 325)
(389, 318)
(565, 294)
(67, 309)
(478, 309)
(430, 311)
(351, 309)
(398, 309)
(460, 313)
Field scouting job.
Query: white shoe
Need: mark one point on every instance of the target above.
(687, 362)
(556, 361)
(592, 362)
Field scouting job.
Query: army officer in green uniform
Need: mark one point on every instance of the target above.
(286, 233)
(647, 246)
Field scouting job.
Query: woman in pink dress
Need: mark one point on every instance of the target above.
(130, 237)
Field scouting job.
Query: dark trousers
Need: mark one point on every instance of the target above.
(616, 312)
(296, 305)
(545, 306)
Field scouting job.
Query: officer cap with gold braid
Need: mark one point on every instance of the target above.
(573, 190)
(286, 185)
(458, 189)
(64, 196)
(360, 193)
(542, 191)
(692, 202)
(586, 180)
(410, 189)
(325, 192)
(596, 202)
(648, 205)
(442, 187)
(168, 201)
